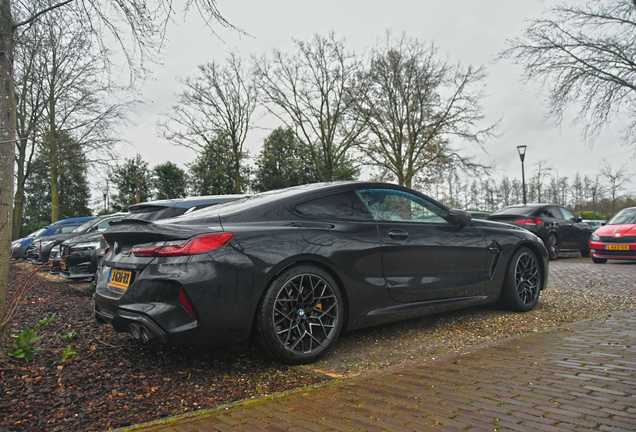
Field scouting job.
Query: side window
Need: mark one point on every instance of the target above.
(67, 229)
(395, 205)
(345, 205)
(557, 213)
(567, 214)
(547, 212)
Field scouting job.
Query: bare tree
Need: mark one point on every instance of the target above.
(79, 98)
(415, 104)
(138, 26)
(537, 181)
(313, 91)
(584, 55)
(615, 179)
(29, 114)
(219, 101)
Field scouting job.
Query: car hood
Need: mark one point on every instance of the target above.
(616, 230)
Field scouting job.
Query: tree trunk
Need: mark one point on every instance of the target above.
(18, 200)
(53, 145)
(53, 160)
(7, 150)
(18, 211)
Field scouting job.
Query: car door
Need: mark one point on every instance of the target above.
(425, 257)
(573, 230)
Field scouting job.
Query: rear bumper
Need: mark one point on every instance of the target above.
(224, 299)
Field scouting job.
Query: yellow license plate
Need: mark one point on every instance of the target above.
(63, 265)
(119, 278)
(617, 247)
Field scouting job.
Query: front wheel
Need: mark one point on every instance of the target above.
(300, 316)
(599, 260)
(553, 246)
(522, 284)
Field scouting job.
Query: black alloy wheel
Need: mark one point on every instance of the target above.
(553, 246)
(522, 285)
(300, 316)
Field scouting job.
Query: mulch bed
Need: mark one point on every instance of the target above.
(114, 380)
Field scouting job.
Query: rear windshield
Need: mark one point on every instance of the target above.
(155, 213)
(515, 211)
(627, 216)
(86, 225)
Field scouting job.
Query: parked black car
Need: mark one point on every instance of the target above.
(20, 247)
(78, 255)
(298, 265)
(558, 227)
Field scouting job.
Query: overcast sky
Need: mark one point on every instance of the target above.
(466, 31)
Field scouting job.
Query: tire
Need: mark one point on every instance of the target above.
(522, 284)
(553, 246)
(599, 260)
(300, 315)
(585, 253)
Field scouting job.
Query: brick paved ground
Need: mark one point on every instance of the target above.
(574, 378)
(616, 277)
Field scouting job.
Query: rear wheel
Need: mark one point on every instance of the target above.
(522, 284)
(300, 316)
(553, 246)
(599, 260)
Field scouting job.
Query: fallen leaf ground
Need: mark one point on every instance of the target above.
(114, 380)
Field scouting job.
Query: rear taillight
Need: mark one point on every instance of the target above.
(195, 245)
(102, 242)
(528, 222)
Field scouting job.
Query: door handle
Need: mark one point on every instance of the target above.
(398, 234)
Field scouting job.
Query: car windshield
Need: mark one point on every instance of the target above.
(515, 211)
(626, 216)
(87, 225)
(38, 233)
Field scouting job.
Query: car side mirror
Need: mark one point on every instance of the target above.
(460, 217)
(578, 219)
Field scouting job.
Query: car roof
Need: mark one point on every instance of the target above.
(185, 202)
(271, 202)
(79, 220)
(533, 205)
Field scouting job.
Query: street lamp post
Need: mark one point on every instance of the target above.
(522, 155)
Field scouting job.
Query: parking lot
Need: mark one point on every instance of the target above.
(571, 377)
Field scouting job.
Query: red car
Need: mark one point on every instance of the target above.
(615, 240)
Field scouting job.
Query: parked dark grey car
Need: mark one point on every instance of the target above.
(296, 266)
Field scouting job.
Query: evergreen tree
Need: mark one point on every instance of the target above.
(212, 172)
(73, 186)
(168, 181)
(132, 181)
(283, 162)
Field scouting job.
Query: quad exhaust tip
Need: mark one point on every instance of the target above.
(141, 332)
